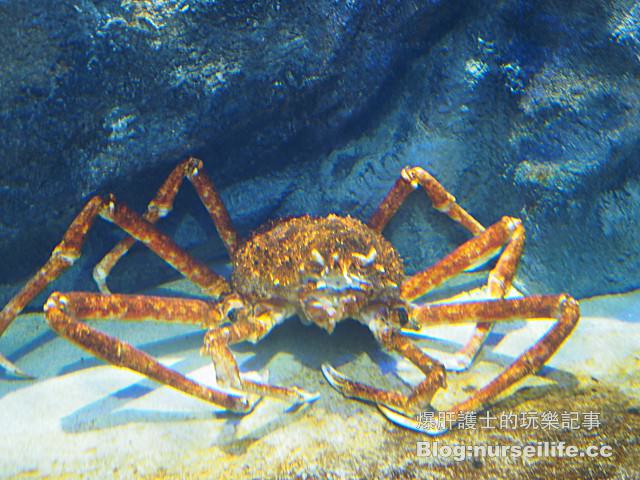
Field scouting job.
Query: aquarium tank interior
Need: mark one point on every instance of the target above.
(320, 239)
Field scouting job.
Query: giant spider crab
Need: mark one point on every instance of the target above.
(322, 269)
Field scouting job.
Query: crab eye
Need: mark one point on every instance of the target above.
(403, 317)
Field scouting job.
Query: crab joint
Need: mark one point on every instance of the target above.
(408, 175)
(56, 300)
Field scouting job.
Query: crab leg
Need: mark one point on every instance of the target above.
(250, 327)
(419, 397)
(410, 179)
(563, 308)
(63, 312)
(478, 249)
(68, 250)
(161, 206)
(508, 231)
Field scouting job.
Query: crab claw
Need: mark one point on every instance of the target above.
(335, 378)
(12, 369)
(305, 397)
(393, 413)
(257, 384)
(409, 422)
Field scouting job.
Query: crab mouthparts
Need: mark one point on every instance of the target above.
(326, 307)
(342, 283)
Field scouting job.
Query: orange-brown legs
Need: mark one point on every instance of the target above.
(63, 312)
(500, 278)
(162, 204)
(410, 179)
(399, 408)
(420, 396)
(249, 326)
(507, 233)
(562, 308)
(68, 250)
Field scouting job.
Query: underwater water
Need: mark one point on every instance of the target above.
(518, 109)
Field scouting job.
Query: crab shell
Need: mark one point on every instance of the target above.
(326, 268)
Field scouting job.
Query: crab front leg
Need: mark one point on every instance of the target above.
(391, 339)
(250, 326)
(397, 407)
(63, 312)
(161, 206)
(562, 308)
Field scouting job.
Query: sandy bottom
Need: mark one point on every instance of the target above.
(81, 417)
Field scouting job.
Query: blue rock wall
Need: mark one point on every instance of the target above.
(520, 108)
(99, 96)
